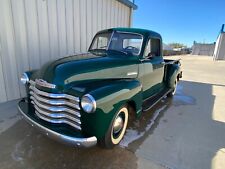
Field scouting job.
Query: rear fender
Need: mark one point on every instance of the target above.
(109, 99)
(173, 71)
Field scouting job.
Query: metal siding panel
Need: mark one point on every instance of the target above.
(116, 13)
(43, 31)
(112, 13)
(21, 50)
(120, 15)
(124, 16)
(104, 17)
(77, 35)
(69, 26)
(53, 29)
(94, 17)
(100, 15)
(108, 13)
(62, 27)
(9, 64)
(3, 96)
(127, 11)
(83, 19)
(32, 33)
(89, 23)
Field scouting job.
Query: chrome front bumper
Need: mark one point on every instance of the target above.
(78, 142)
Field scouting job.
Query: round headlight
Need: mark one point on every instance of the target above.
(24, 78)
(88, 103)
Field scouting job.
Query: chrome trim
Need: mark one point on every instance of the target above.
(57, 121)
(56, 115)
(78, 142)
(26, 78)
(131, 73)
(55, 108)
(54, 96)
(32, 82)
(54, 102)
(44, 83)
(92, 100)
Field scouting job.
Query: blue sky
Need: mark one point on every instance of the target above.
(181, 20)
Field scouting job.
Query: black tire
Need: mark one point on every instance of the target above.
(113, 137)
(172, 93)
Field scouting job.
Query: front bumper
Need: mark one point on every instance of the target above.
(63, 138)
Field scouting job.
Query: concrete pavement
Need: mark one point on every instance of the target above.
(186, 132)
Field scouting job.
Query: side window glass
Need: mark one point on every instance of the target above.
(153, 48)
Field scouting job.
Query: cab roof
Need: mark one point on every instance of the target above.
(143, 32)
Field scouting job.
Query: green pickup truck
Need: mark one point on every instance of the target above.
(89, 98)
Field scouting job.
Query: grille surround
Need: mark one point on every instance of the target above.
(55, 108)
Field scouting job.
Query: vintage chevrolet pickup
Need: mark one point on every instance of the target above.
(89, 98)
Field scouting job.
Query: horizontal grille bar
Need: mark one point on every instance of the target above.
(54, 96)
(57, 121)
(54, 102)
(55, 108)
(56, 115)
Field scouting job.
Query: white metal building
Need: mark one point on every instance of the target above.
(33, 32)
(203, 49)
(219, 53)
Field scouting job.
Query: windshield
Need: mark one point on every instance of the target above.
(127, 43)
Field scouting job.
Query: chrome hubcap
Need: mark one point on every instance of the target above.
(118, 124)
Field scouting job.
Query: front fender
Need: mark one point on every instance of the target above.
(109, 99)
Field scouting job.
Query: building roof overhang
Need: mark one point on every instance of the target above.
(129, 3)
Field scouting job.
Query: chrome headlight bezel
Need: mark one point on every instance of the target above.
(88, 103)
(24, 78)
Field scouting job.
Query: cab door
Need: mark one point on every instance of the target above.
(153, 68)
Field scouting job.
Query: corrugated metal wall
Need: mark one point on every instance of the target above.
(33, 32)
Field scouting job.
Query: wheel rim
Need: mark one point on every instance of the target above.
(119, 126)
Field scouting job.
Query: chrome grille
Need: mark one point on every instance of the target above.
(56, 108)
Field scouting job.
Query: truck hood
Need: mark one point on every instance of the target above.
(87, 68)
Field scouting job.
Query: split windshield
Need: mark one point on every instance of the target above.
(120, 42)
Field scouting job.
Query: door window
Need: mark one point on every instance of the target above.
(153, 48)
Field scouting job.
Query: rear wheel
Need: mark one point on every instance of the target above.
(172, 93)
(117, 129)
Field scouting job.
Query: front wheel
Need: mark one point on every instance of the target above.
(172, 93)
(117, 129)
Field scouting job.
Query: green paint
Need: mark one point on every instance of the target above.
(112, 79)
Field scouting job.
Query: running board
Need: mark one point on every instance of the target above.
(152, 101)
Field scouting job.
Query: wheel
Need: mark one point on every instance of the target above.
(172, 93)
(117, 129)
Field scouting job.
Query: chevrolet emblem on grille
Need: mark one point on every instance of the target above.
(43, 83)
